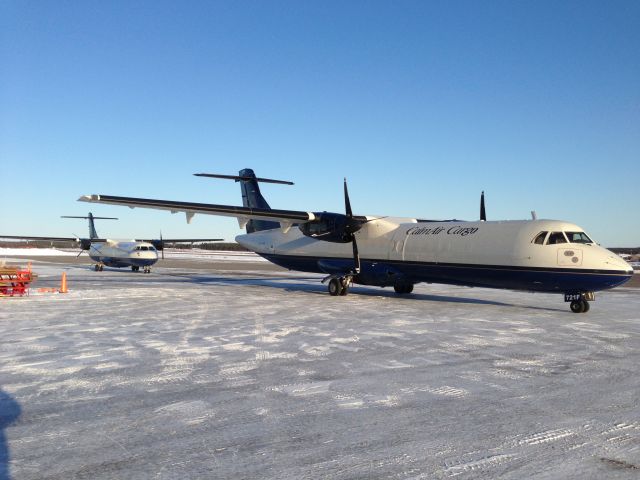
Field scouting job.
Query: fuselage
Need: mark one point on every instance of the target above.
(121, 254)
(534, 255)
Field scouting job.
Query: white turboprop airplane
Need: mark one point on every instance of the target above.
(534, 255)
(117, 253)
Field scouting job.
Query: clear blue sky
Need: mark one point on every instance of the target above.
(421, 105)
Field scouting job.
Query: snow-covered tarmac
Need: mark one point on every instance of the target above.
(186, 374)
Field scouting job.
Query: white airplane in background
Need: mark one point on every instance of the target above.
(116, 253)
(534, 255)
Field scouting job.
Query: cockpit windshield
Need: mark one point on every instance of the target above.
(578, 237)
(555, 238)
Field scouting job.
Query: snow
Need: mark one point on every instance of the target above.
(214, 255)
(201, 374)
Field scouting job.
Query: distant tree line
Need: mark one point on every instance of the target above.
(226, 246)
(630, 251)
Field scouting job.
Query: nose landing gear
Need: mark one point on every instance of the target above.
(579, 306)
(146, 269)
(579, 301)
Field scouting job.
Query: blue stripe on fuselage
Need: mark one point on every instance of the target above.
(116, 262)
(538, 279)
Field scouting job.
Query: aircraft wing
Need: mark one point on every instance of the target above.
(27, 237)
(56, 239)
(243, 214)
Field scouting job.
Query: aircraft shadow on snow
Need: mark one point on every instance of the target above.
(294, 284)
(9, 412)
(298, 284)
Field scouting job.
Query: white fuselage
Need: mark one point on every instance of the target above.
(123, 253)
(496, 254)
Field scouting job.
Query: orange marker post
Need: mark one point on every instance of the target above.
(63, 283)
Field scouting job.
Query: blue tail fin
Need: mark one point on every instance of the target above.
(92, 227)
(251, 196)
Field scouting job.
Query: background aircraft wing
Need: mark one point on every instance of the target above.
(56, 239)
(283, 216)
(27, 237)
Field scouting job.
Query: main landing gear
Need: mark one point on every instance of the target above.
(579, 301)
(339, 285)
(98, 267)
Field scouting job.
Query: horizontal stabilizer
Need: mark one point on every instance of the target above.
(87, 218)
(238, 178)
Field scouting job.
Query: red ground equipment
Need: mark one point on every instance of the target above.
(14, 282)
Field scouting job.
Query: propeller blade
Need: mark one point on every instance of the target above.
(483, 213)
(356, 255)
(79, 253)
(347, 203)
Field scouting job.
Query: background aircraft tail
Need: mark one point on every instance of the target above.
(92, 228)
(251, 196)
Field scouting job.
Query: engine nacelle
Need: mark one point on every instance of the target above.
(329, 227)
(85, 243)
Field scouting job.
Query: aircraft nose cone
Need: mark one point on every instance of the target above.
(618, 263)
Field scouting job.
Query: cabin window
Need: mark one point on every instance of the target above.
(540, 238)
(578, 237)
(556, 237)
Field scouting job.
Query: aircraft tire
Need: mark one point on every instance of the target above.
(577, 306)
(403, 288)
(585, 307)
(335, 287)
